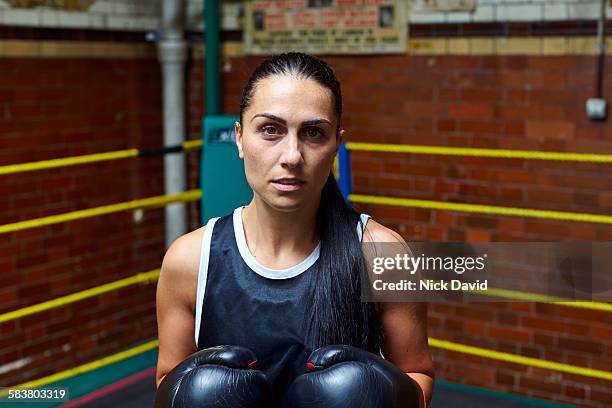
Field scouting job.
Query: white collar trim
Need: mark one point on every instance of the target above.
(258, 268)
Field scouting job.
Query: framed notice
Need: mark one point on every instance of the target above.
(71, 5)
(325, 26)
(444, 5)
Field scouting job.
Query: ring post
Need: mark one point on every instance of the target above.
(345, 181)
(222, 179)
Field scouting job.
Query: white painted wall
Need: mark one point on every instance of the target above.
(144, 14)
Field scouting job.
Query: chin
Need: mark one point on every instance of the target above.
(286, 203)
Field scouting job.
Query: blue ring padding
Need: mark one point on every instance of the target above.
(345, 181)
(500, 394)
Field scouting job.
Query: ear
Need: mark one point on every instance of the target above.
(238, 131)
(339, 139)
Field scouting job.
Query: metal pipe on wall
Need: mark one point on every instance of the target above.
(601, 48)
(173, 55)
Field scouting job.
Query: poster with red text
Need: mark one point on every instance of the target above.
(325, 26)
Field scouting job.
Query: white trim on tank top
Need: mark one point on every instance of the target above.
(250, 260)
(258, 268)
(203, 274)
(287, 273)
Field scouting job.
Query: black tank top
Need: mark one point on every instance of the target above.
(241, 302)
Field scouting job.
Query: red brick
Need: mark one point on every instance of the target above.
(555, 129)
(480, 126)
(584, 315)
(517, 176)
(367, 165)
(511, 193)
(475, 328)
(554, 80)
(394, 184)
(538, 384)
(508, 334)
(477, 235)
(553, 63)
(481, 94)
(423, 169)
(442, 186)
(415, 108)
(481, 221)
(396, 213)
(549, 196)
(456, 235)
(476, 190)
(514, 128)
(586, 199)
(471, 110)
(492, 62)
(519, 79)
(517, 112)
(554, 112)
(543, 324)
(435, 234)
(603, 333)
(446, 125)
(547, 309)
(601, 396)
(549, 95)
(459, 62)
(505, 377)
(585, 346)
(522, 306)
(508, 318)
(544, 340)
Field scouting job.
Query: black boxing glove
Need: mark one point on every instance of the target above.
(345, 376)
(216, 377)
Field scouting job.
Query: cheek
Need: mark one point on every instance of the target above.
(324, 163)
(255, 160)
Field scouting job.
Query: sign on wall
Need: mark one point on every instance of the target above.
(444, 5)
(325, 26)
(55, 4)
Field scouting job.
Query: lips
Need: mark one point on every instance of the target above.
(288, 181)
(288, 184)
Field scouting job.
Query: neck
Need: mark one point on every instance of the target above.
(279, 236)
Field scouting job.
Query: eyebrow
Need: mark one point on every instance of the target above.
(284, 122)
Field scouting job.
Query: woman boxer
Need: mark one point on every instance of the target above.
(279, 278)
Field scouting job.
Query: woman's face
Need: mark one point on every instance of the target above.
(288, 140)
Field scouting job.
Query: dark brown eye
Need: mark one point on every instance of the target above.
(314, 132)
(269, 130)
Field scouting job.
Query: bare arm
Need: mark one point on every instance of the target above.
(404, 326)
(175, 302)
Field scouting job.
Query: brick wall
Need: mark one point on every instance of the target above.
(60, 108)
(492, 102)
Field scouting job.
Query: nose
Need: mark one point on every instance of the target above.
(292, 152)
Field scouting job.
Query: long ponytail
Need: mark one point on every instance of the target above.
(337, 315)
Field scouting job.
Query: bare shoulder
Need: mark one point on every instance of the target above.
(184, 248)
(376, 232)
(181, 264)
(175, 301)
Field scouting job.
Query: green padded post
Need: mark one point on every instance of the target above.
(222, 179)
